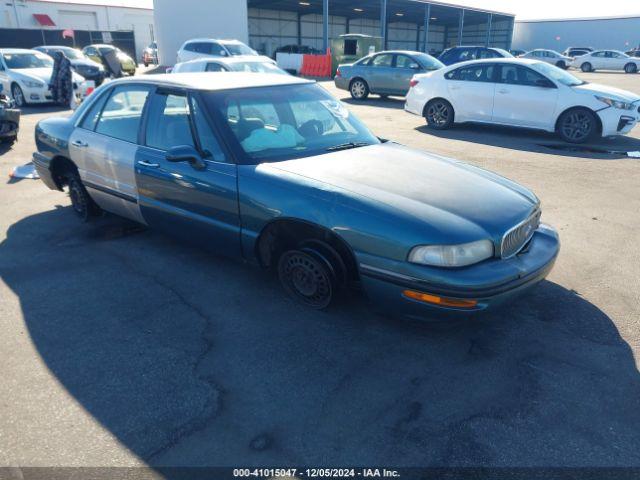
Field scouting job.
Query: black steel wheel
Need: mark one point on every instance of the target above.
(82, 204)
(439, 114)
(307, 278)
(631, 68)
(359, 89)
(586, 67)
(577, 126)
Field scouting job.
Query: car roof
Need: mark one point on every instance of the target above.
(517, 61)
(62, 47)
(18, 50)
(229, 60)
(217, 40)
(213, 81)
(100, 45)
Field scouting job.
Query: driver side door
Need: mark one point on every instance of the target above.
(197, 202)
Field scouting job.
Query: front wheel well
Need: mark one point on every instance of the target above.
(599, 122)
(60, 167)
(426, 105)
(357, 78)
(285, 234)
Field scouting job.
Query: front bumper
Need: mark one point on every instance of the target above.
(9, 122)
(42, 167)
(490, 283)
(618, 122)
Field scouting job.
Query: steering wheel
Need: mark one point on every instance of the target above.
(311, 128)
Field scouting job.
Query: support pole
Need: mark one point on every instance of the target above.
(383, 23)
(427, 21)
(347, 25)
(299, 29)
(489, 24)
(325, 25)
(460, 27)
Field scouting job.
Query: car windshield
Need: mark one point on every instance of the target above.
(104, 50)
(257, 67)
(238, 49)
(278, 123)
(559, 75)
(428, 62)
(27, 60)
(72, 54)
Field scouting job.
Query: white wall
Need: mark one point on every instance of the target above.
(80, 17)
(618, 33)
(179, 20)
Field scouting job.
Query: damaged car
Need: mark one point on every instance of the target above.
(274, 170)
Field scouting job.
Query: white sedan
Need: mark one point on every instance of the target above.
(248, 63)
(27, 74)
(522, 93)
(606, 60)
(548, 56)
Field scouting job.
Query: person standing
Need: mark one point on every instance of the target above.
(61, 83)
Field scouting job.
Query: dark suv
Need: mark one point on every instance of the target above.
(462, 54)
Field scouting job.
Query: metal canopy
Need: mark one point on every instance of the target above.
(409, 11)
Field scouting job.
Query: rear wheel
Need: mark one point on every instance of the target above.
(561, 64)
(82, 204)
(631, 68)
(439, 114)
(309, 277)
(359, 89)
(577, 126)
(586, 67)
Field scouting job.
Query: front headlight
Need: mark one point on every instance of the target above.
(452, 255)
(33, 84)
(612, 102)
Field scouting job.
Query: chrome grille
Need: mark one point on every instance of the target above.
(515, 239)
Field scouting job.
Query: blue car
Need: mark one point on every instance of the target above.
(384, 73)
(273, 170)
(463, 54)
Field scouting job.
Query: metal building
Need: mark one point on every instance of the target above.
(619, 33)
(268, 24)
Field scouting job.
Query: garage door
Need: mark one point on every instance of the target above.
(77, 20)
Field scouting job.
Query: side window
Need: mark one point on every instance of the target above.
(122, 113)
(190, 47)
(351, 47)
(91, 116)
(403, 61)
(467, 54)
(215, 49)
(384, 60)
(168, 123)
(473, 73)
(484, 53)
(516, 75)
(214, 67)
(599, 54)
(208, 141)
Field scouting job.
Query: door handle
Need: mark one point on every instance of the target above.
(79, 143)
(144, 163)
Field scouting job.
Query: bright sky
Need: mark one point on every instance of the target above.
(528, 9)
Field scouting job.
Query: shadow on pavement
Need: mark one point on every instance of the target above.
(536, 141)
(396, 103)
(193, 360)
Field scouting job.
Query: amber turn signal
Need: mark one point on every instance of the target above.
(440, 301)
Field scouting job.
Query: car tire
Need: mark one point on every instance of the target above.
(308, 277)
(359, 89)
(146, 64)
(586, 67)
(10, 140)
(578, 125)
(18, 96)
(439, 114)
(631, 68)
(81, 202)
(561, 64)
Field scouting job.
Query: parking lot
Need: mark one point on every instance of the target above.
(121, 346)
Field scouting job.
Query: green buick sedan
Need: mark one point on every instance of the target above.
(274, 170)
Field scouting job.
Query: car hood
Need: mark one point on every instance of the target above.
(41, 74)
(85, 63)
(616, 93)
(442, 192)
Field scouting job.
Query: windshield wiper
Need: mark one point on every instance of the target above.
(346, 146)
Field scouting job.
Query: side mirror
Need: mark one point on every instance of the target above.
(544, 83)
(223, 53)
(185, 153)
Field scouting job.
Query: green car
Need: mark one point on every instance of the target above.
(97, 52)
(273, 170)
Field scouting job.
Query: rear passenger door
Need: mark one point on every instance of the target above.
(380, 73)
(405, 68)
(197, 203)
(104, 144)
(471, 91)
